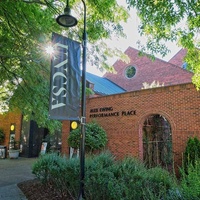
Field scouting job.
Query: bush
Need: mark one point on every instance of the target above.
(129, 175)
(159, 184)
(59, 172)
(99, 176)
(190, 182)
(95, 137)
(190, 171)
(105, 178)
(192, 152)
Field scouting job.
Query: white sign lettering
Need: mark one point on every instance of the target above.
(59, 92)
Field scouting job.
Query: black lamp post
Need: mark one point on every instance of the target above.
(67, 20)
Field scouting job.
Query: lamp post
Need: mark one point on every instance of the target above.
(67, 20)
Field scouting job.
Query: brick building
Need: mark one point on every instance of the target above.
(130, 117)
(26, 133)
(6, 121)
(146, 70)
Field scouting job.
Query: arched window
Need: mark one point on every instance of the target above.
(157, 142)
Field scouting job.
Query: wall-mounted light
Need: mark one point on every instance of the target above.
(12, 127)
(73, 125)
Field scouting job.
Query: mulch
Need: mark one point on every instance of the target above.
(35, 190)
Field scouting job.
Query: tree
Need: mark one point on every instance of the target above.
(95, 137)
(26, 29)
(176, 20)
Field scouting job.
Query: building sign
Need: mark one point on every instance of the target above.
(64, 101)
(109, 112)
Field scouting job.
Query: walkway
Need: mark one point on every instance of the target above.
(12, 172)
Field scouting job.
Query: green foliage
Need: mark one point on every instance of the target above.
(175, 21)
(95, 137)
(138, 182)
(129, 175)
(190, 172)
(24, 66)
(192, 152)
(24, 63)
(107, 179)
(192, 59)
(59, 172)
(190, 183)
(160, 184)
(99, 177)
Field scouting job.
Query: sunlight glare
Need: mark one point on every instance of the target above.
(49, 50)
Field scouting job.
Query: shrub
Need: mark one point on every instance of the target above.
(105, 178)
(99, 176)
(159, 184)
(192, 152)
(129, 174)
(190, 182)
(127, 179)
(59, 172)
(95, 137)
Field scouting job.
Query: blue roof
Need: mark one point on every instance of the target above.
(103, 86)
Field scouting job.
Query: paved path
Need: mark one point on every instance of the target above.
(12, 172)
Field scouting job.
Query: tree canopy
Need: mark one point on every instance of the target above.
(171, 20)
(26, 29)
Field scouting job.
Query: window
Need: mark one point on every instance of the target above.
(130, 71)
(157, 142)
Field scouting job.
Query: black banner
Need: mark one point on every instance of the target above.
(64, 101)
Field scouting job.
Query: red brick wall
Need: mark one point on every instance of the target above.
(65, 133)
(178, 104)
(6, 120)
(148, 71)
(178, 59)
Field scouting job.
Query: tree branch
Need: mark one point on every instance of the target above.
(35, 1)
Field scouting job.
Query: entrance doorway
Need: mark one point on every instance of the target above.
(31, 139)
(157, 142)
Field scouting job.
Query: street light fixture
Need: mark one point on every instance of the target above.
(67, 20)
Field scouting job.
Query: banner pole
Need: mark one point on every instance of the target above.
(83, 112)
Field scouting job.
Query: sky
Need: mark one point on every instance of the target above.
(130, 29)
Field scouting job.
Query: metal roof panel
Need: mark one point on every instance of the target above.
(103, 86)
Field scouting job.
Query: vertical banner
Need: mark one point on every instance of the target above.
(64, 103)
